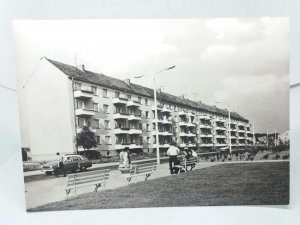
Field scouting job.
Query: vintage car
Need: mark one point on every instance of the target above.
(71, 163)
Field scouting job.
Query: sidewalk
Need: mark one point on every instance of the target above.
(111, 165)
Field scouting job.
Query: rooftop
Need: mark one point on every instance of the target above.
(110, 82)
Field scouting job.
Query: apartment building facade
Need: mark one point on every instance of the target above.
(121, 114)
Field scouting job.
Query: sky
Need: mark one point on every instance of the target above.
(240, 63)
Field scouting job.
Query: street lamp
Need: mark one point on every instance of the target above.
(229, 127)
(155, 110)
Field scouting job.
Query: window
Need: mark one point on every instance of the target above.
(129, 97)
(146, 101)
(79, 104)
(147, 114)
(106, 124)
(105, 109)
(98, 140)
(80, 122)
(107, 140)
(105, 93)
(140, 99)
(117, 94)
(148, 127)
(77, 86)
(95, 106)
(94, 90)
(96, 123)
(141, 140)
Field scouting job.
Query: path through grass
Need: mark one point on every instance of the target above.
(228, 184)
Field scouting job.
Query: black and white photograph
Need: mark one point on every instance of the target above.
(143, 113)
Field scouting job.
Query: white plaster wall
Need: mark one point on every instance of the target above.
(49, 112)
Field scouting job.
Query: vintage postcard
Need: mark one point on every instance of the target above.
(137, 113)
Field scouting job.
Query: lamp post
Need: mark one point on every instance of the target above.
(155, 110)
(229, 127)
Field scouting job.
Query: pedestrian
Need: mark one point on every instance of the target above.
(121, 158)
(172, 152)
(60, 165)
(127, 160)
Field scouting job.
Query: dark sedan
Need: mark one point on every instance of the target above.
(71, 163)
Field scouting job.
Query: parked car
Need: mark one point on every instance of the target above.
(71, 163)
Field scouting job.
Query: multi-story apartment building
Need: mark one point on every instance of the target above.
(63, 98)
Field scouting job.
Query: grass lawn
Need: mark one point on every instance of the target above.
(227, 184)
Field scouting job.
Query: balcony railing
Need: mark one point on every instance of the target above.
(182, 113)
(204, 117)
(206, 145)
(183, 134)
(133, 104)
(182, 123)
(206, 135)
(83, 94)
(136, 117)
(122, 101)
(166, 110)
(85, 112)
(135, 131)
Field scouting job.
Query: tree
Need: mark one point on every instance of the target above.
(86, 139)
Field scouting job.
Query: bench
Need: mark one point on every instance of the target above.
(85, 179)
(145, 169)
(184, 163)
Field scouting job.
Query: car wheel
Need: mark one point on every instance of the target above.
(82, 168)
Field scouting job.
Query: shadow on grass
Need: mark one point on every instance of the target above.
(231, 184)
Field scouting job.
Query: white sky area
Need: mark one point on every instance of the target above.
(242, 62)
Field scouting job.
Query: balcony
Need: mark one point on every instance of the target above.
(221, 145)
(233, 137)
(158, 121)
(121, 146)
(159, 108)
(191, 135)
(181, 124)
(206, 135)
(121, 130)
(241, 131)
(161, 145)
(83, 94)
(166, 110)
(192, 145)
(85, 112)
(167, 121)
(205, 126)
(221, 136)
(183, 134)
(79, 129)
(190, 114)
(133, 104)
(182, 113)
(206, 145)
(167, 133)
(135, 146)
(135, 131)
(191, 124)
(220, 128)
(118, 116)
(120, 101)
(134, 117)
(241, 138)
(159, 133)
(220, 120)
(183, 145)
(241, 144)
(204, 117)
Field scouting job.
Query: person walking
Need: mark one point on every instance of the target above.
(172, 152)
(60, 165)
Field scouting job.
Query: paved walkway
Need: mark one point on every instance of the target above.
(52, 190)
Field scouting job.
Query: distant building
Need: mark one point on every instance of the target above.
(61, 99)
(285, 136)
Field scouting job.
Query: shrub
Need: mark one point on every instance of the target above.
(285, 156)
(266, 156)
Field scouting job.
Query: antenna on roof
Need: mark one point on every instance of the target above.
(195, 94)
